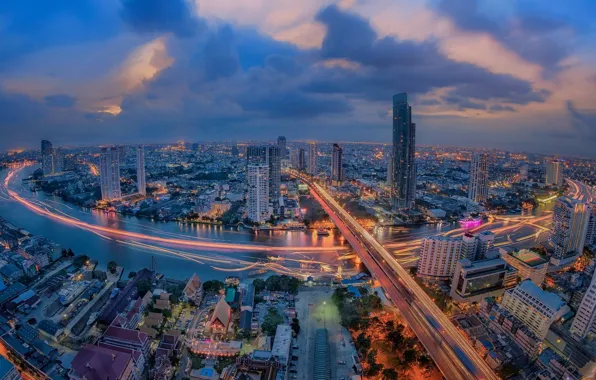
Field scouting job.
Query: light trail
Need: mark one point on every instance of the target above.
(135, 235)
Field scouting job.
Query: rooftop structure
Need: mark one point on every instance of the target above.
(282, 344)
(100, 363)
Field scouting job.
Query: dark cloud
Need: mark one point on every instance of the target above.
(583, 124)
(293, 104)
(463, 103)
(535, 37)
(391, 65)
(428, 102)
(60, 100)
(159, 16)
(220, 57)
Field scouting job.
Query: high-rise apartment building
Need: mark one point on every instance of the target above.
(403, 186)
(438, 257)
(283, 150)
(569, 228)
(337, 160)
(141, 184)
(313, 168)
(109, 173)
(554, 173)
(47, 157)
(478, 187)
(301, 159)
(536, 308)
(591, 234)
(274, 162)
(585, 318)
(258, 192)
(295, 158)
(58, 160)
(475, 246)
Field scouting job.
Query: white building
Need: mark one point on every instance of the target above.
(313, 168)
(438, 257)
(591, 234)
(109, 173)
(258, 192)
(536, 308)
(569, 229)
(554, 173)
(585, 318)
(282, 344)
(478, 188)
(141, 178)
(475, 246)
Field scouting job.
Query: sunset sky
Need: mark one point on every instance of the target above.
(511, 74)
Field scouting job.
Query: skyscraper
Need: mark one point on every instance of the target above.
(313, 168)
(274, 162)
(256, 154)
(281, 144)
(591, 234)
(109, 172)
(478, 187)
(569, 228)
(337, 160)
(554, 173)
(47, 157)
(301, 159)
(258, 192)
(403, 186)
(389, 169)
(235, 151)
(585, 318)
(141, 185)
(295, 159)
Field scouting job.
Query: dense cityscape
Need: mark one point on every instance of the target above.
(297, 190)
(410, 262)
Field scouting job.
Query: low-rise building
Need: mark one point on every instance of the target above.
(282, 344)
(475, 280)
(529, 264)
(100, 363)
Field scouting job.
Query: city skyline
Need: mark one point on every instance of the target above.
(168, 75)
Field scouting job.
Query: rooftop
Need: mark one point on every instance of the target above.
(529, 257)
(551, 300)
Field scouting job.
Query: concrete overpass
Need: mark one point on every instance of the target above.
(450, 350)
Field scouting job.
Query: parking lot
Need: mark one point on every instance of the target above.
(316, 310)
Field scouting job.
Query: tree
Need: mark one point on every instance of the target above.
(244, 334)
(132, 274)
(363, 342)
(271, 321)
(79, 261)
(389, 374)
(396, 339)
(409, 356)
(213, 286)
(143, 286)
(372, 356)
(295, 325)
(259, 285)
(112, 266)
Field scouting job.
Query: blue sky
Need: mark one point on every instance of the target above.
(516, 74)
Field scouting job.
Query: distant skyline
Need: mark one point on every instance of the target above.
(516, 75)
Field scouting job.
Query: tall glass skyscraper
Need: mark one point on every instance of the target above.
(403, 185)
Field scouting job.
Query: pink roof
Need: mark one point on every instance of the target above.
(126, 334)
(100, 363)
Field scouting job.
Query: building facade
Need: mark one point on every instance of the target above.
(569, 228)
(536, 308)
(47, 157)
(474, 280)
(313, 168)
(403, 186)
(109, 173)
(282, 145)
(337, 169)
(554, 173)
(585, 318)
(438, 257)
(258, 192)
(141, 184)
(529, 264)
(478, 187)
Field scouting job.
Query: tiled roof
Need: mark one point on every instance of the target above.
(100, 363)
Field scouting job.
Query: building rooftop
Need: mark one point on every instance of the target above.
(5, 367)
(282, 341)
(99, 363)
(551, 300)
(529, 257)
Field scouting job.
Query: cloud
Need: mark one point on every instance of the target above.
(160, 16)
(60, 100)
(583, 124)
(500, 107)
(220, 55)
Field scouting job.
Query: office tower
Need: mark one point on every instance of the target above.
(283, 150)
(47, 157)
(109, 172)
(258, 192)
(585, 318)
(438, 257)
(235, 151)
(274, 162)
(474, 280)
(141, 185)
(569, 228)
(478, 187)
(313, 168)
(337, 160)
(302, 159)
(554, 173)
(403, 187)
(389, 169)
(536, 308)
(58, 159)
(295, 158)
(523, 172)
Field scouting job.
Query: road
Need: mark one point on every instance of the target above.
(450, 350)
(581, 191)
